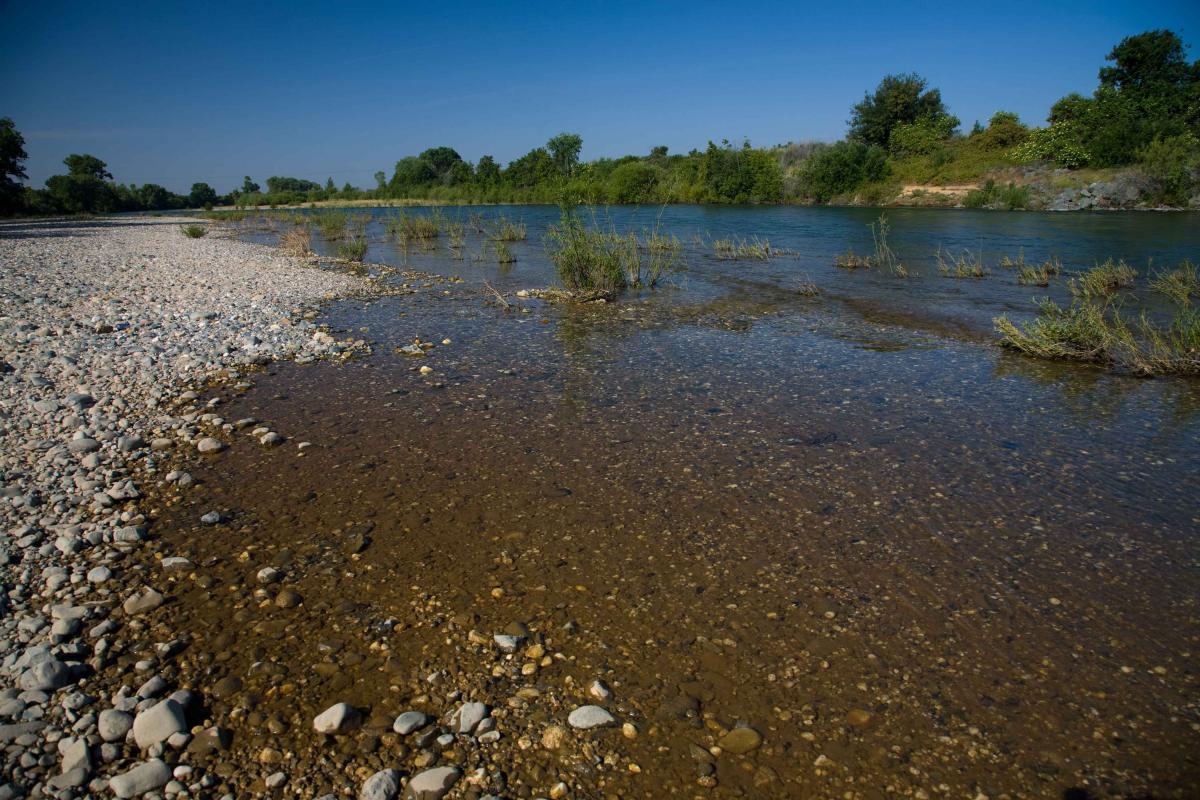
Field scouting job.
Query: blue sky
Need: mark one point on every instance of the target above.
(174, 93)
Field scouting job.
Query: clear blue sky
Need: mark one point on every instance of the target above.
(172, 92)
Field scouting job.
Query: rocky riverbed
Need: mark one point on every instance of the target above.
(106, 326)
(421, 543)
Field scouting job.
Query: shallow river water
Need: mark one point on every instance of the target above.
(915, 564)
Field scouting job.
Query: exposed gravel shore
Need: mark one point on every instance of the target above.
(105, 326)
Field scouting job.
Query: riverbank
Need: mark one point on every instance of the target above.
(107, 324)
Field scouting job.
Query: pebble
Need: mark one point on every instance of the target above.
(337, 719)
(143, 778)
(587, 717)
(740, 740)
(383, 785)
(410, 721)
(158, 723)
(432, 784)
(210, 445)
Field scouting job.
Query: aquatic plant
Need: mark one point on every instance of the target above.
(849, 260)
(332, 224)
(504, 253)
(194, 231)
(1103, 280)
(592, 263)
(806, 288)
(353, 248)
(457, 235)
(1039, 275)
(505, 230)
(1096, 332)
(1018, 263)
(965, 265)
(884, 257)
(225, 215)
(731, 249)
(296, 242)
(1180, 284)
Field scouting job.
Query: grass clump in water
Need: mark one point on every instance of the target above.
(966, 265)
(354, 248)
(332, 224)
(1180, 284)
(296, 242)
(732, 249)
(1097, 332)
(1104, 280)
(883, 257)
(504, 253)
(1039, 275)
(194, 231)
(594, 264)
(505, 230)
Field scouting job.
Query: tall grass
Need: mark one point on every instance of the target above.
(296, 242)
(504, 253)
(1039, 275)
(735, 248)
(194, 231)
(965, 265)
(1103, 280)
(992, 195)
(1180, 284)
(593, 263)
(332, 224)
(882, 256)
(1097, 332)
(505, 230)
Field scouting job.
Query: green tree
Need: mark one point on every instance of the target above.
(83, 189)
(329, 187)
(633, 182)
(12, 170)
(85, 166)
(487, 171)
(840, 169)
(898, 100)
(380, 179)
(249, 186)
(564, 152)
(201, 195)
(442, 159)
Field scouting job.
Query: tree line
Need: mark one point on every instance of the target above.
(1145, 111)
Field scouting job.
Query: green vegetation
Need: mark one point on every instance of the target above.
(505, 230)
(332, 224)
(992, 195)
(1180, 284)
(1103, 280)
(883, 256)
(296, 241)
(1030, 275)
(1144, 114)
(733, 249)
(1097, 332)
(965, 265)
(504, 253)
(194, 231)
(592, 263)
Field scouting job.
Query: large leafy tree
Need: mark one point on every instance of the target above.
(201, 195)
(12, 171)
(83, 190)
(564, 152)
(898, 100)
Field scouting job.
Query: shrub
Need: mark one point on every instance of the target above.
(923, 136)
(1040, 275)
(1004, 131)
(1173, 163)
(966, 265)
(194, 231)
(1078, 333)
(633, 182)
(840, 169)
(1009, 196)
(1059, 144)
